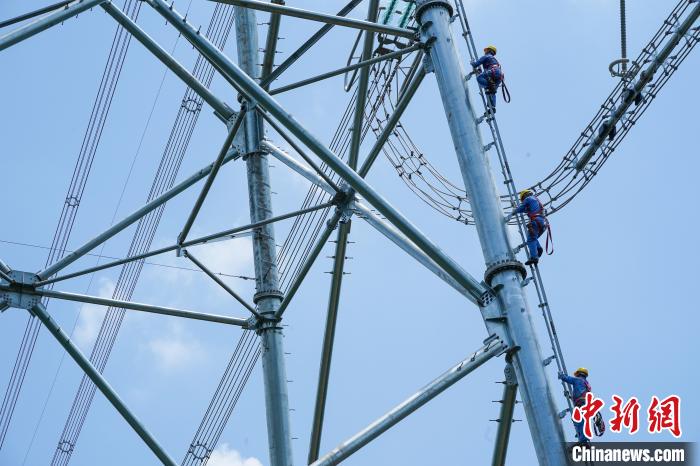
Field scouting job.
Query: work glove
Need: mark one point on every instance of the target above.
(509, 217)
(561, 375)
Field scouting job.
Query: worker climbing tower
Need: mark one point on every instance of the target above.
(504, 273)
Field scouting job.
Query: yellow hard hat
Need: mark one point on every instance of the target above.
(524, 193)
(581, 370)
(491, 48)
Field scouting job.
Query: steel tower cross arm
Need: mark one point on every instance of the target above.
(492, 347)
(345, 69)
(35, 27)
(221, 108)
(128, 220)
(324, 18)
(163, 310)
(254, 92)
(40, 311)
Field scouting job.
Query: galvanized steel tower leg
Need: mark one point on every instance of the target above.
(503, 272)
(267, 296)
(505, 421)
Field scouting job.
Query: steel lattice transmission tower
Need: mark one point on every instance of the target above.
(500, 297)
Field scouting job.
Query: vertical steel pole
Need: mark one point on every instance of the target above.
(505, 421)
(361, 98)
(328, 339)
(339, 261)
(545, 427)
(268, 295)
(273, 31)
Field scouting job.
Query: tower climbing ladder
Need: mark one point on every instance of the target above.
(496, 143)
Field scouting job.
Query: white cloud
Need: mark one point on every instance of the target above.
(91, 316)
(175, 350)
(226, 456)
(232, 257)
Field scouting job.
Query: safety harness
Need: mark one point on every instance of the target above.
(598, 423)
(492, 70)
(549, 243)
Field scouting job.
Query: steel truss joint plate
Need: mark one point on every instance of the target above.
(20, 294)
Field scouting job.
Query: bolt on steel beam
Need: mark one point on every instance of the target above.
(273, 30)
(505, 419)
(320, 243)
(328, 340)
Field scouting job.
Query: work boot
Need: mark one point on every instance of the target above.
(532, 261)
(539, 251)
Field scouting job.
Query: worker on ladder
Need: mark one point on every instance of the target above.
(579, 387)
(492, 76)
(538, 224)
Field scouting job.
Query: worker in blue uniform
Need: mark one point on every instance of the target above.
(579, 387)
(538, 224)
(492, 76)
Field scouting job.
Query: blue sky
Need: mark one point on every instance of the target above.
(619, 283)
